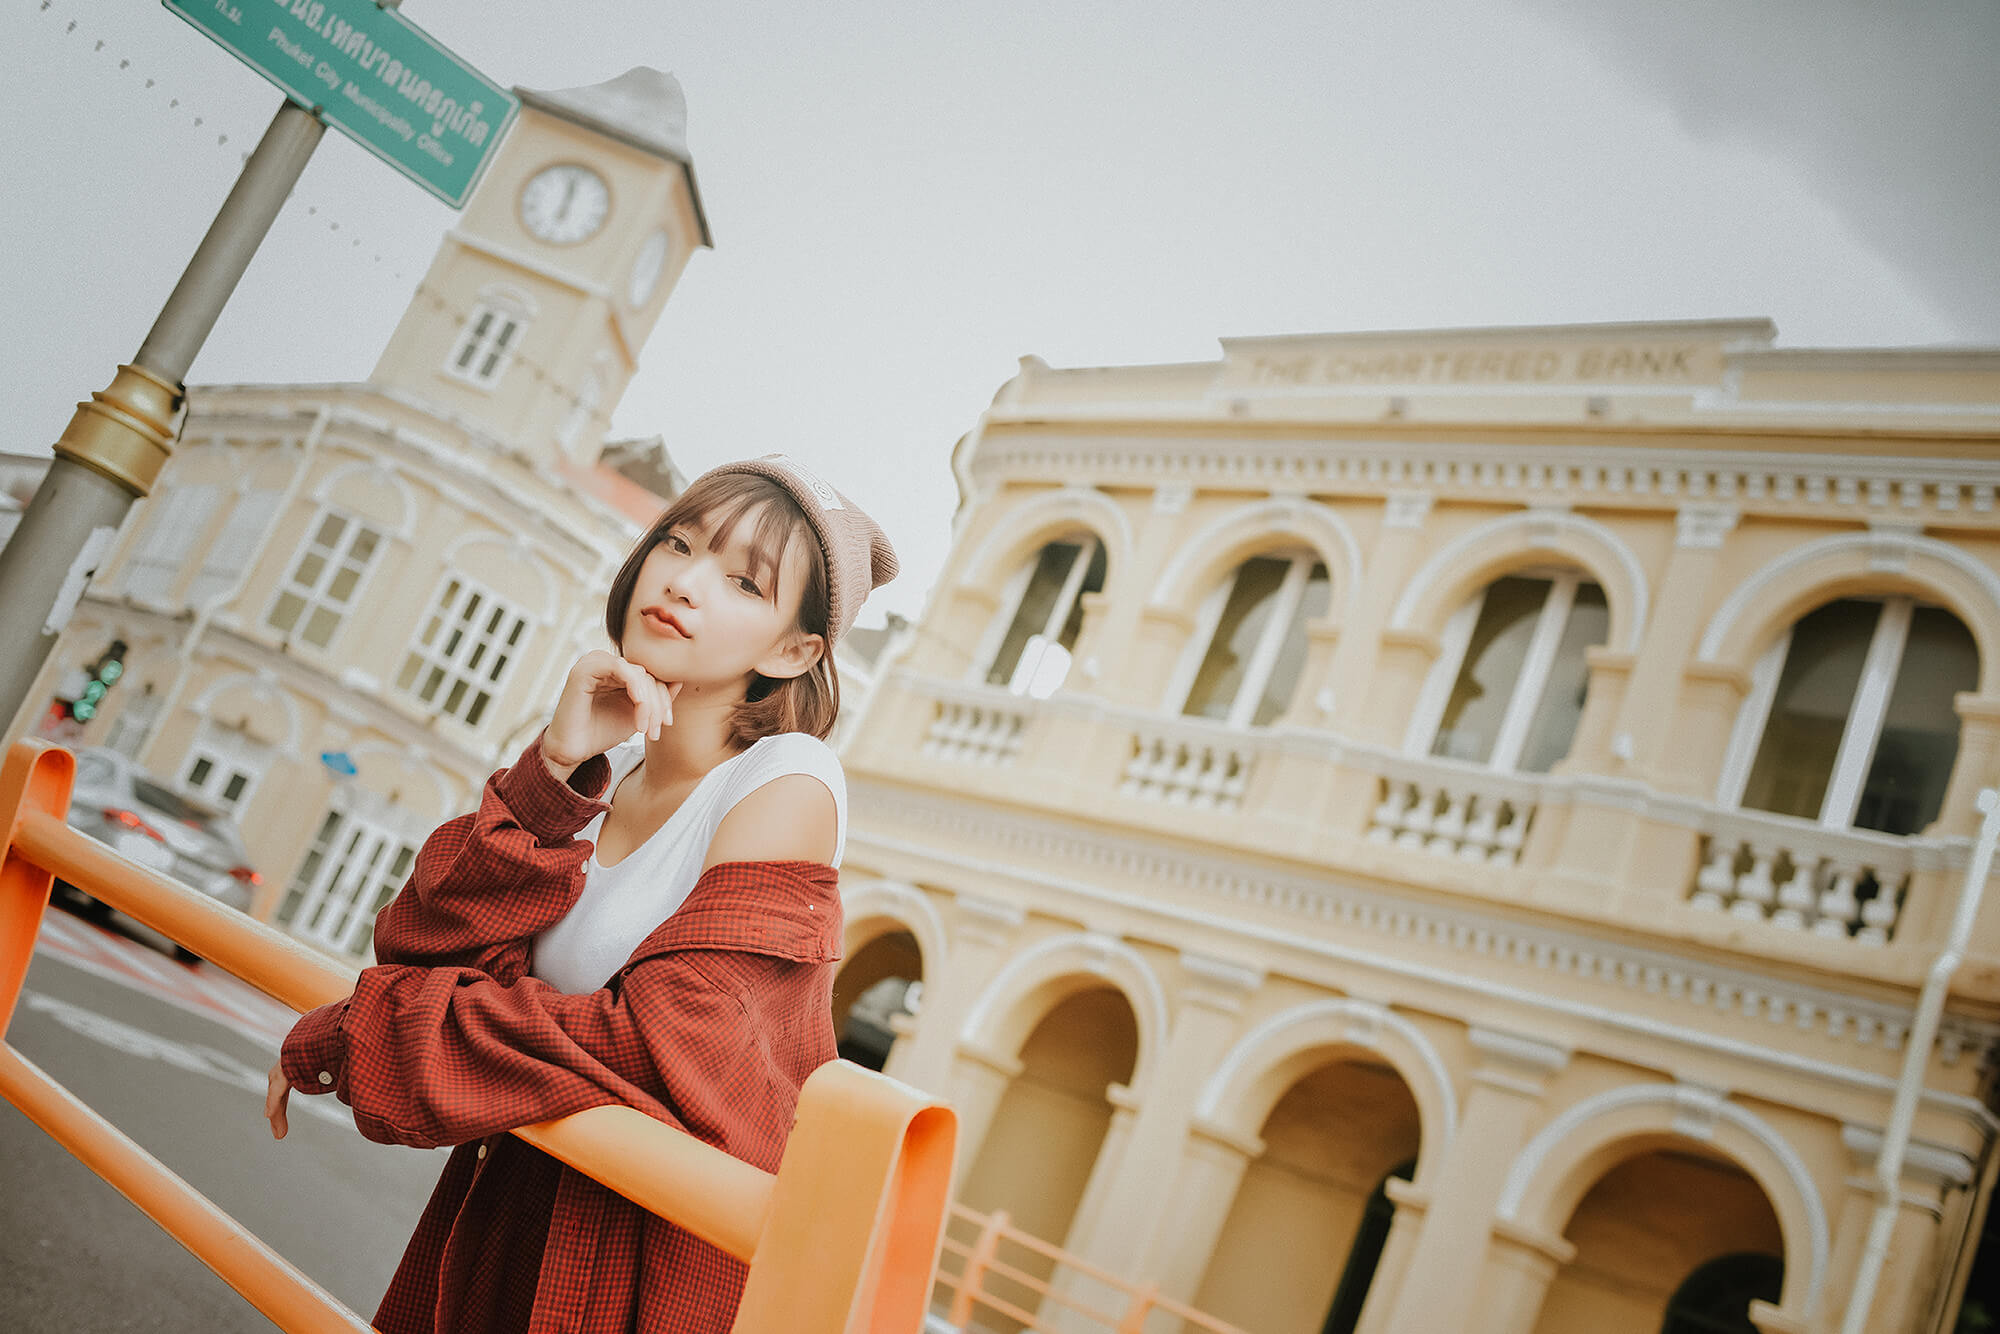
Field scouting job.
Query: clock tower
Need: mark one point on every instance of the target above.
(533, 312)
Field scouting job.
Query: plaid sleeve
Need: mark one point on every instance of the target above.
(486, 883)
(434, 1056)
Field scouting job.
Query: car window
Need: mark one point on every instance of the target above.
(94, 771)
(172, 804)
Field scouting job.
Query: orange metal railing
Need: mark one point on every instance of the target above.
(841, 1240)
(1011, 1289)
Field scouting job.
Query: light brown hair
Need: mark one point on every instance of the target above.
(808, 702)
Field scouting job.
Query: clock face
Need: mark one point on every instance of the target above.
(646, 268)
(565, 203)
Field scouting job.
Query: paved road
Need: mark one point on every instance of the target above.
(175, 1057)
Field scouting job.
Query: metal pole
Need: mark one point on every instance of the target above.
(114, 447)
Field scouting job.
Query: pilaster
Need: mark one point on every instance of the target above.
(1666, 642)
(1357, 653)
(1505, 1097)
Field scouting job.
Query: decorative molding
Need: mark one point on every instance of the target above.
(1678, 1098)
(1407, 509)
(1597, 472)
(1697, 1111)
(1703, 527)
(1782, 572)
(1078, 505)
(1221, 974)
(1516, 1053)
(1092, 953)
(1588, 541)
(1931, 1164)
(951, 828)
(1284, 1033)
(1172, 497)
(1319, 525)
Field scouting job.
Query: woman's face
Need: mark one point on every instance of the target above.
(709, 618)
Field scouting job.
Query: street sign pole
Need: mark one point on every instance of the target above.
(116, 444)
(359, 66)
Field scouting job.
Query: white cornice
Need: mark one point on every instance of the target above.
(1352, 921)
(1589, 472)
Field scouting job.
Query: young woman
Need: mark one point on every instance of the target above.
(652, 923)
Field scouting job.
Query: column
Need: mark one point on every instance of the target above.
(1505, 1099)
(1396, 550)
(1125, 623)
(1212, 1164)
(1520, 1265)
(1411, 1205)
(1125, 1209)
(1910, 1273)
(1670, 639)
(979, 1079)
(981, 939)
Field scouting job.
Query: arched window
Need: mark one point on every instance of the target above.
(490, 336)
(1849, 720)
(1365, 1255)
(1716, 1297)
(1254, 629)
(1045, 599)
(1508, 687)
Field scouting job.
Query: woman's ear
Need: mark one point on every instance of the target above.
(793, 656)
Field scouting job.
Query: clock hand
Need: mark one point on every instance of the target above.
(569, 193)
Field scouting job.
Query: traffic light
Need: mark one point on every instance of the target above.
(104, 674)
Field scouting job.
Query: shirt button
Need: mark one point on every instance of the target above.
(482, 1151)
(325, 1077)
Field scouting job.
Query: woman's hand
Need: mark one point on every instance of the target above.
(277, 1091)
(604, 700)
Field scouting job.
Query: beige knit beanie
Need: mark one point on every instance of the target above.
(859, 558)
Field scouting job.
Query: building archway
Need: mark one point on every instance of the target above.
(1281, 1264)
(879, 981)
(1050, 1125)
(1669, 1240)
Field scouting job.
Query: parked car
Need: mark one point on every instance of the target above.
(119, 804)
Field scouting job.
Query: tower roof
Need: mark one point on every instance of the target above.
(643, 108)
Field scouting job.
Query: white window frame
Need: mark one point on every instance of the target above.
(1856, 753)
(176, 518)
(442, 609)
(226, 753)
(487, 343)
(1257, 672)
(1529, 686)
(1088, 545)
(236, 546)
(316, 596)
(337, 908)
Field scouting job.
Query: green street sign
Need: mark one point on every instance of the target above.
(375, 76)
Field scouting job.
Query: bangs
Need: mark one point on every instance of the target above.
(718, 505)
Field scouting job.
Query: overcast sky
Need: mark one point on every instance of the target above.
(908, 197)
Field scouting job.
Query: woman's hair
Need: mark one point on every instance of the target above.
(808, 702)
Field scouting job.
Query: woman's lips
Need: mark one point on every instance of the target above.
(663, 623)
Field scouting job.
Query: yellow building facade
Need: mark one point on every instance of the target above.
(345, 605)
(1446, 831)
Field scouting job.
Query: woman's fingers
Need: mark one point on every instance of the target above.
(277, 1092)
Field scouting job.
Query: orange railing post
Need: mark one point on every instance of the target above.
(34, 776)
(1142, 1306)
(842, 1240)
(977, 1261)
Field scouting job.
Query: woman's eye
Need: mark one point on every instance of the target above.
(677, 544)
(749, 585)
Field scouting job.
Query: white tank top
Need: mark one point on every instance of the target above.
(624, 903)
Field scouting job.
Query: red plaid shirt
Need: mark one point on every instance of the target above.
(711, 1026)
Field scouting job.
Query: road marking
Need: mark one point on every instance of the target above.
(204, 991)
(192, 1057)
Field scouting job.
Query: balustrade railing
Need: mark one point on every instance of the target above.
(976, 731)
(1753, 866)
(1803, 877)
(1184, 764)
